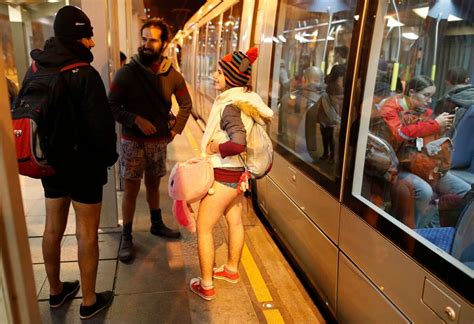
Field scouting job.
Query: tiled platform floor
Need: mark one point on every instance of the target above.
(154, 288)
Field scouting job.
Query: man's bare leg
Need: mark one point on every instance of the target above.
(57, 210)
(87, 224)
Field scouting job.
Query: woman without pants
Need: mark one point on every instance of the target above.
(223, 140)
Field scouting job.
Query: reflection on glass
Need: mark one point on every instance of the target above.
(187, 59)
(311, 48)
(419, 157)
(213, 29)
(230, 29)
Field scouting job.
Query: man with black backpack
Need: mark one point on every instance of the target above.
(140, 99)
(77, 135)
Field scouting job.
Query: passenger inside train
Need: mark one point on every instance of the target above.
(415, 107)
(428, 184)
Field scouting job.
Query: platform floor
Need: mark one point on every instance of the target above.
(154, 288)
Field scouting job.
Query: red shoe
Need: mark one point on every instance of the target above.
(222, 273)
(198, 289)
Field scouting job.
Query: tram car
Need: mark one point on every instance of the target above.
(370, 194)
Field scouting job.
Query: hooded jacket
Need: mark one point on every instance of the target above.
(90, 124)
(138, 91)
(253, 109)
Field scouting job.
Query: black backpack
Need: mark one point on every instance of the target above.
(36, 118)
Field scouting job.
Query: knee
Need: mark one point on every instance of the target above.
(424, 192)
(87, 236)
(235, 223)
(52, 235)
(131, 189)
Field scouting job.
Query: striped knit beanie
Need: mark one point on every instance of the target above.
(237, 67)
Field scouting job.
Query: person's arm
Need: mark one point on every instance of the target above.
(232, 124)
(185, 105)
(391, 115)
(118, 98)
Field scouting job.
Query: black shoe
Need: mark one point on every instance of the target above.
(69, 291)
(160, 229)
(126, 251)
(103, 300)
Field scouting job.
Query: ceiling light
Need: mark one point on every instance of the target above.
(453, 18)
(421, 12)
(392, 22)
(410, 36)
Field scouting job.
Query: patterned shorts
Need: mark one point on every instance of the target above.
(139, 157)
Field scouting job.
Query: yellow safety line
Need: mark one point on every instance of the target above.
(273, 316)
(192, 141)
(260, 289)
(255, 277)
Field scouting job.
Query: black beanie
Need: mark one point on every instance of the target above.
(71, 23)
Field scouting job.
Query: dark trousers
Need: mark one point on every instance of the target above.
(328, 140)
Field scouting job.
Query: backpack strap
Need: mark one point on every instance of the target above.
(73, 66)
(34, 66)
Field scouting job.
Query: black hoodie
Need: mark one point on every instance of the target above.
(92, 128)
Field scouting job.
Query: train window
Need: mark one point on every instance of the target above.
(231, 29)
(187, 59)
(201, 59)
(211, 56)
(415, 157)
(311, 46)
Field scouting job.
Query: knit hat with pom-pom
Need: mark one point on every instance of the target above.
(237, 67)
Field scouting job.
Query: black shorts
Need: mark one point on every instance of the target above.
(83, 188)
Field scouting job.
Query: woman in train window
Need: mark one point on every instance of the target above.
(411, 125)
(224, 140)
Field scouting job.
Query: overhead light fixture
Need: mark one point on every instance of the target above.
(410, 36)
(453, 18)
(282, 38)
(392, 22)
(421, 12)
(440, 10)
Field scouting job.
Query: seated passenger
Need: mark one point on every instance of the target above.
(411, 125)
(463, 139)
(459, 91)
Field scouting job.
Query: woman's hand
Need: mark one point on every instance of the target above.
(445, 120)
(212, 147)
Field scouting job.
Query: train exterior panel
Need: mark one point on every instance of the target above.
(361, 244)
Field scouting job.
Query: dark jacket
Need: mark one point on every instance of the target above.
(89, 125)
(460, 95)
(137, 90)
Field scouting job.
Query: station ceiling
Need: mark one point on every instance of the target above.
(175, 12)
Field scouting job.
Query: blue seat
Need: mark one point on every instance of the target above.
(457, 241)
(442, 237)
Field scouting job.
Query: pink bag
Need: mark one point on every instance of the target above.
(189, 182)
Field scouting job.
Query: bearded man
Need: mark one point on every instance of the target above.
(140, 99)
